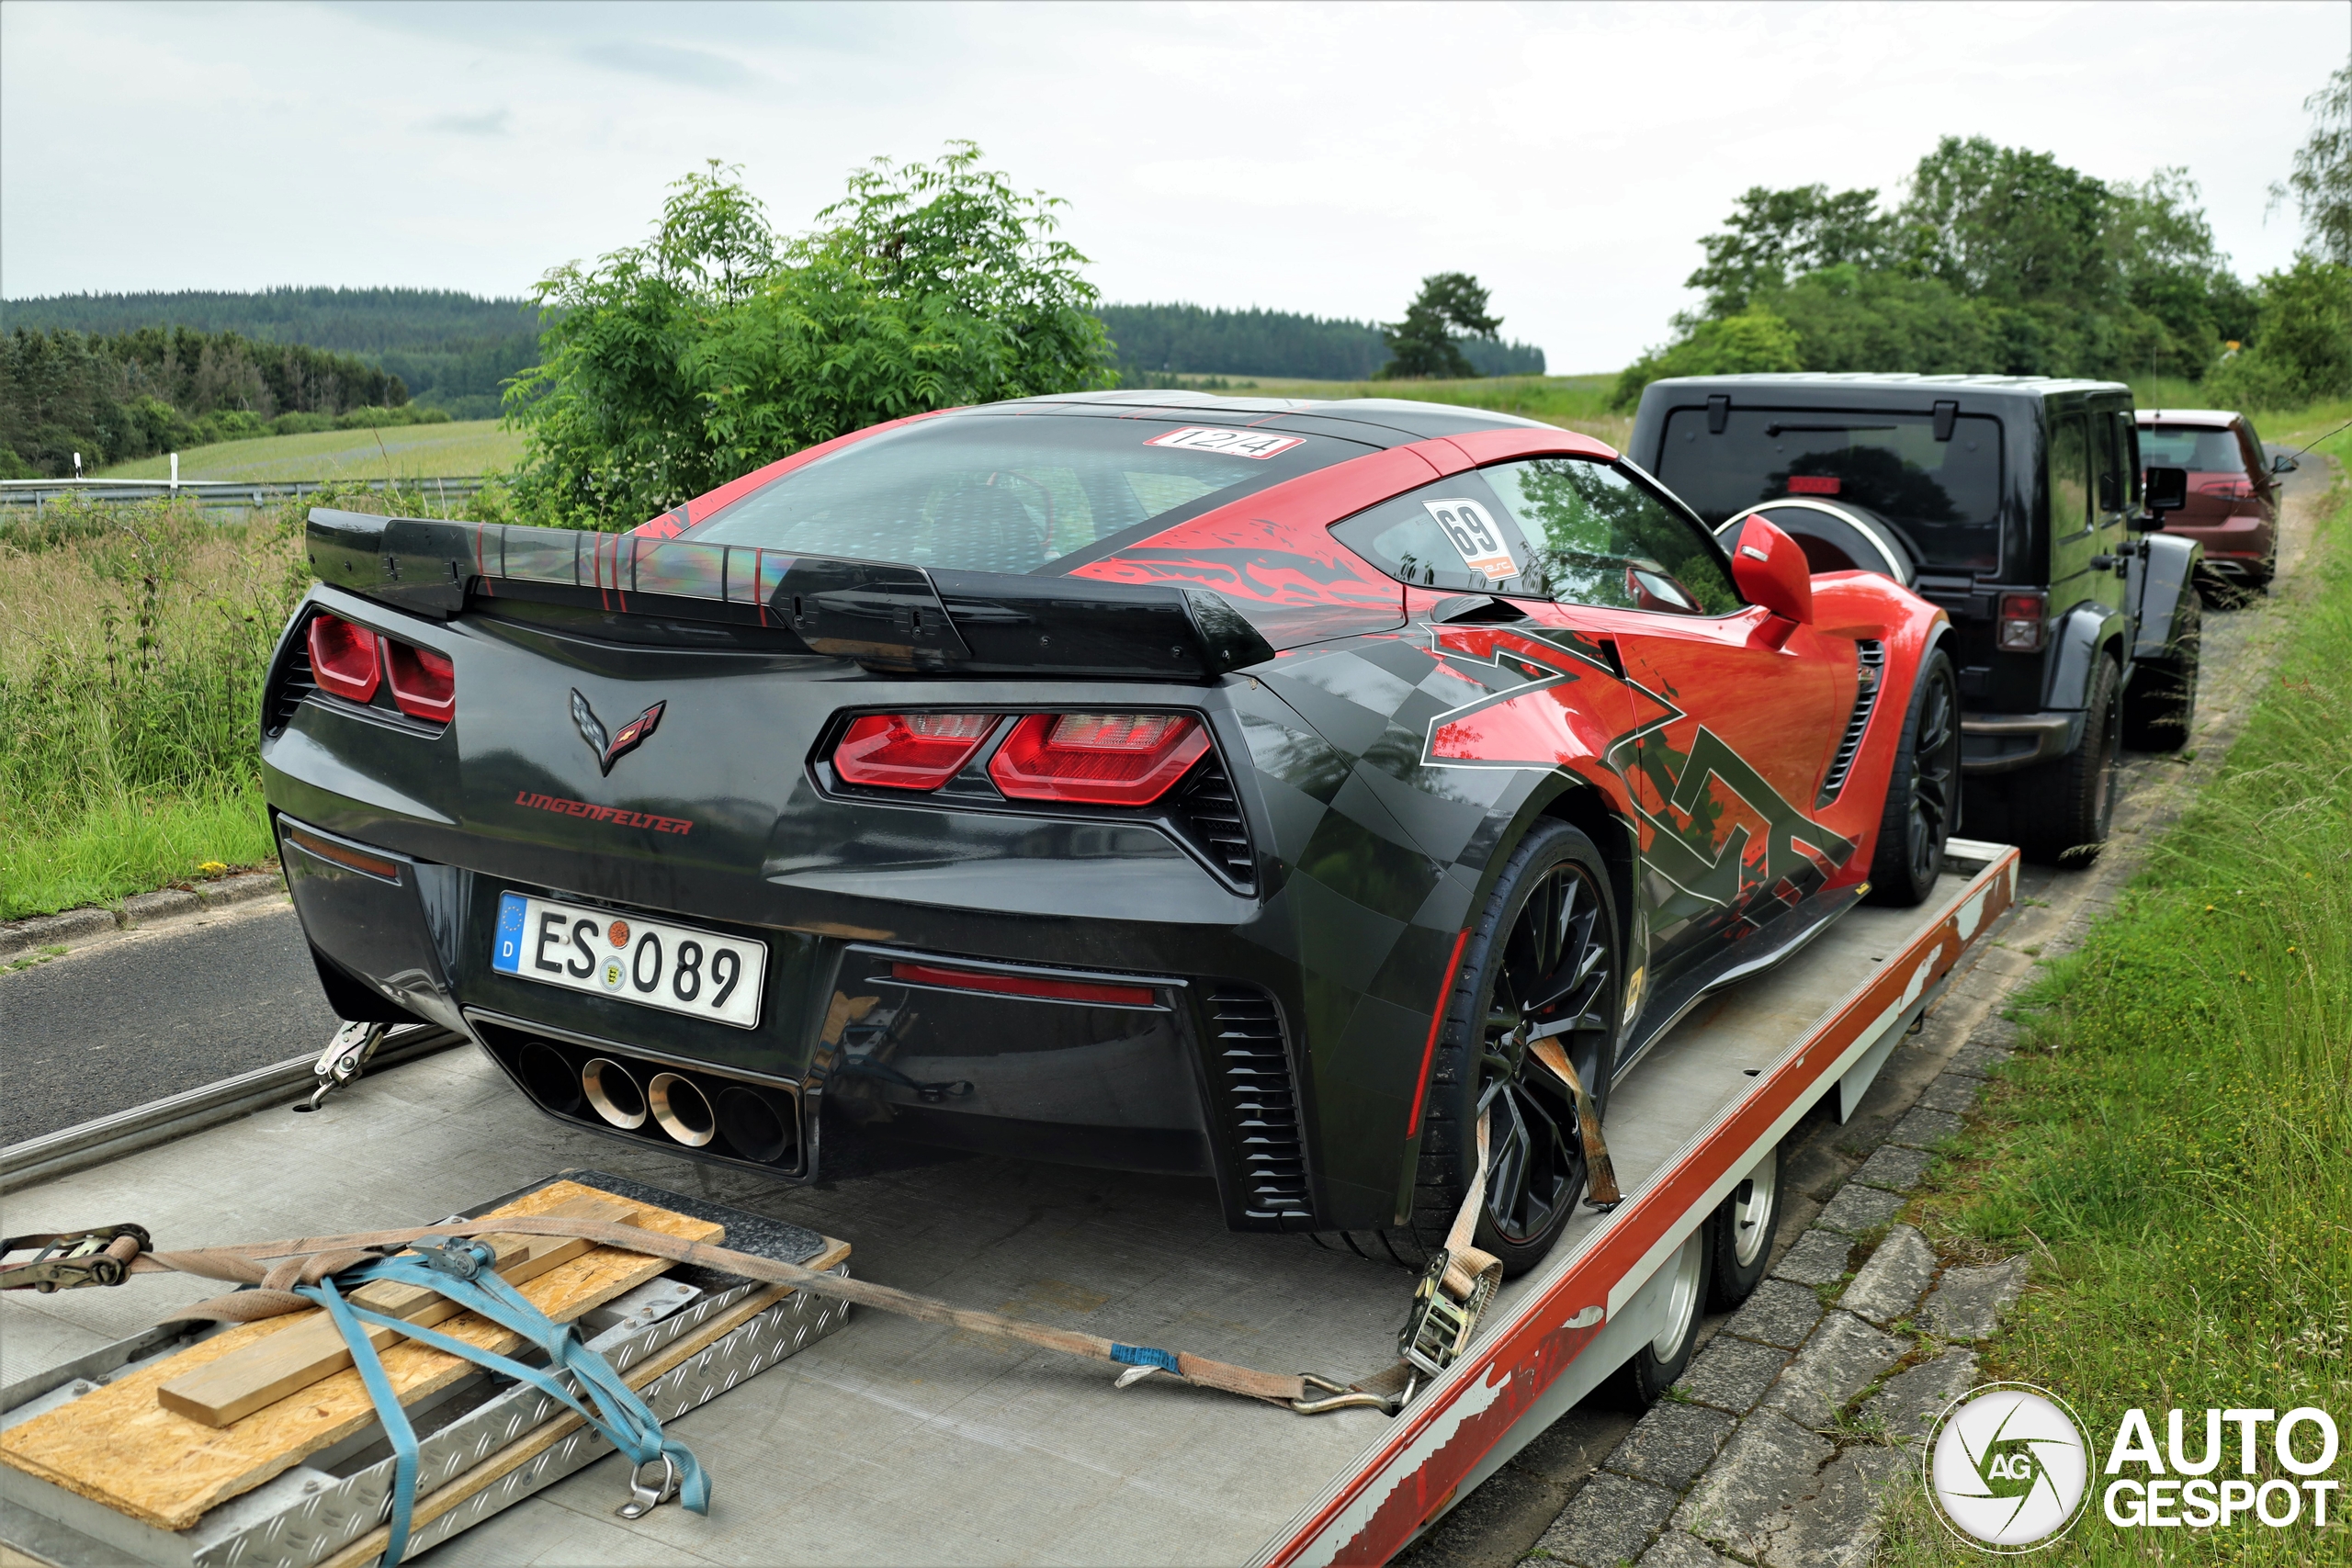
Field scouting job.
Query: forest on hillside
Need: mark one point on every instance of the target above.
(1191, 340)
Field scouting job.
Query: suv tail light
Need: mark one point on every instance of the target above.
(909, 751)
(1099, 758)
(2020, 627)
(342, 658)
(424, 685)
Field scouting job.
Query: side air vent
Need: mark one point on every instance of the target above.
(1250, 1069)
(295, 682)
(1209, 814)
(1869, 675)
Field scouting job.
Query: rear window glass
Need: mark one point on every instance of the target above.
(1943, 497)
(1013, 493)
(2186, 447)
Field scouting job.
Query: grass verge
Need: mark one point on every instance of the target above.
(2176, 1148)
(113, 848)
(403, 452)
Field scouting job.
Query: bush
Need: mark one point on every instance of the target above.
(717, 347)
(1755, 340)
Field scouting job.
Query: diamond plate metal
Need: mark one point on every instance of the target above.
(318, 1525)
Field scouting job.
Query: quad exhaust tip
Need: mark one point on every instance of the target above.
(681, 1110)
(613, 1092)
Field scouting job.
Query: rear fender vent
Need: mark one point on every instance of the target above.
(1256, 1100)
(294, 683)
(1869, 676)
(1208, 813)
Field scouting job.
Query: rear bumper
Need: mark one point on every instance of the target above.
(1191, 1073)
(2001, 743)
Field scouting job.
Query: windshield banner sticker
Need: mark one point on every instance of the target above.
(1472, 534)
(1232, 443)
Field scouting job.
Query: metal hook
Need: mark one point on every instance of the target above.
(644, 1499)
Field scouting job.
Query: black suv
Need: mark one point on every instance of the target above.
(2011, 501)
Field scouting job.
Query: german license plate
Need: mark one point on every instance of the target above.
(650, 963)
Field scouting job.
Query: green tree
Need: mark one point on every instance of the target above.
(673, 367)
(2321, 181)
(1450, 304)
(1774, 235)
(1753, 341)
(2302, 350)
(2007, 224)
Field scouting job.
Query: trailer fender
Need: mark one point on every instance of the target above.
(2164, 573)
(2088, 632)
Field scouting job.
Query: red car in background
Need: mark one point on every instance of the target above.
(2233, 506)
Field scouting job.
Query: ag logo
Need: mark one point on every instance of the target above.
(2007, 1468)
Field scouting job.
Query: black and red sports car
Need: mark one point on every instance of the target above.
(1147, 780)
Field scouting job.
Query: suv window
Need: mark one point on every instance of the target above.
(1943, 497)
(2198, 449)
(2070, 489)
(1564, 528)
(2106, 464)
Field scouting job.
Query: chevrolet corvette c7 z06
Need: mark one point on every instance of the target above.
(1259, 791)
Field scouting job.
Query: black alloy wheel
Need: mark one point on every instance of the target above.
(2060, 811)
(1545, 958)
(1923, 792)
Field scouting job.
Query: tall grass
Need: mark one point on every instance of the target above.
(2178, 1152)
(134, 641)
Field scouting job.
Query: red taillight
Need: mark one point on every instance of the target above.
(909, 751)
(1098, 759)
(424, 685)
(342, 658)
(1021, 985)
(2020, 628)
(1815, 484)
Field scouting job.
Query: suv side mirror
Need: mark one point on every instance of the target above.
(1770, 571)
(2163, 490)
(2283, 464)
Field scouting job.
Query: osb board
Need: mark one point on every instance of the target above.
(119, 1446)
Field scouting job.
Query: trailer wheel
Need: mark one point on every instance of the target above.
(1651, 1372)
(1545, 949)
(1923, 790)
(1741, 1233)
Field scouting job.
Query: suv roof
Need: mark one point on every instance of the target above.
(1810, 380)
(2210, 418)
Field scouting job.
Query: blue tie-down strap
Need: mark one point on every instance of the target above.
(1145, 1355)
(620, 1416)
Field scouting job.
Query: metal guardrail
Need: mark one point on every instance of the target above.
(209, 493)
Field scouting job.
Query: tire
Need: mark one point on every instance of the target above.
(2162, 702)
(1923, 790)
(2059, 812)
(1742, 1232)
(1653, 1369)
(1536, 1171)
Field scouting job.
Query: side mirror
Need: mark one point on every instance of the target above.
(2162, 490)
(2283, 464)
(1770, 571)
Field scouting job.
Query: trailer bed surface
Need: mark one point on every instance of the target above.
(896, 1441)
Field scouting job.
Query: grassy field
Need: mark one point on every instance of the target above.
(2176, 1152)
(133, 645)
(1576, 402)
(409, 451)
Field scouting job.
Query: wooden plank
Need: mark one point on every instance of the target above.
(312, 1348)
(118, 1447)
(538, 1440)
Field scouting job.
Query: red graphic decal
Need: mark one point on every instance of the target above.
(616, 815)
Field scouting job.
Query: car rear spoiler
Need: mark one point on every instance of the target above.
(882, 613)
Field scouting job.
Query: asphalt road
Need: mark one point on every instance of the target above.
(151, 1013)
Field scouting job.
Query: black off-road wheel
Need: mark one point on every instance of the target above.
(1546, 951)
(1923, 792)
(2059, 812)
(2162, 702)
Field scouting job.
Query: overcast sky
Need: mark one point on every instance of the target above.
(1308, 158)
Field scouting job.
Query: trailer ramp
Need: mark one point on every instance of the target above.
(897, 1441)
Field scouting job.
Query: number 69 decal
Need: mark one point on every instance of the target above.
(1474, 536)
